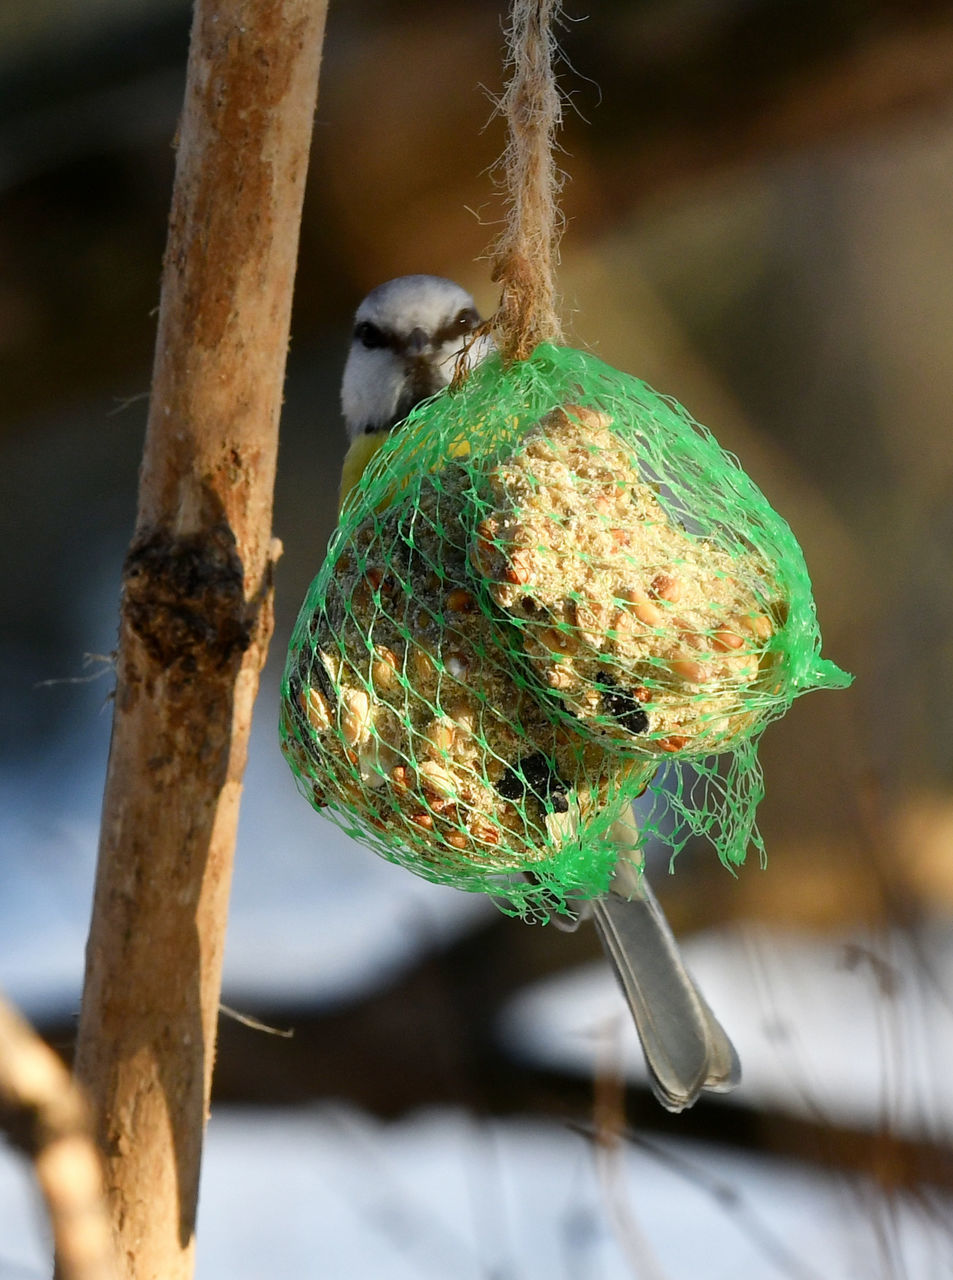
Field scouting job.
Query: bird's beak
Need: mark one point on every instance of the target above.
(417, 342)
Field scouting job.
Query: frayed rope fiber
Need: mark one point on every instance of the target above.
(526, 254)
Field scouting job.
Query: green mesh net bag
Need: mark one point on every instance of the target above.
(551, 593)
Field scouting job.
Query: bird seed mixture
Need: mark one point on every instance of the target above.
(648, 637)
(403, 706)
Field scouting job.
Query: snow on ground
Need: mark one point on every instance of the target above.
(857, 1030)
(329, 1193)
(314, 920)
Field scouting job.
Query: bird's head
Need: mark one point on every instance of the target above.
(408, 334)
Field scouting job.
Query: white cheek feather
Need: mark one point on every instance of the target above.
(445, 360)
(478, 351)
(446, 356)
(373, 381)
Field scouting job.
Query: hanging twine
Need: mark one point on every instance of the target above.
(525, 256)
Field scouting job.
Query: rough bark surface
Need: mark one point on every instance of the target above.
(196, 616)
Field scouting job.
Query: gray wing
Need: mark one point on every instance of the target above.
(686, 1048)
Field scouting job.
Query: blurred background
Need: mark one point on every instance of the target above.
(760, 223)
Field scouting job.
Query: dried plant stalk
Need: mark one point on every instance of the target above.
(196, 616)
(44, 1113)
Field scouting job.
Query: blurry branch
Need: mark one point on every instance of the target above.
(609, 1124)
(255, 1024)
(731, 1200)
(196, 616)
(44, 1113)
(438, 1027)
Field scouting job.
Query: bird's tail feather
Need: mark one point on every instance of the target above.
(686, 1048)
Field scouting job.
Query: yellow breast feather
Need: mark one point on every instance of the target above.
(364, 447)
(359, 454)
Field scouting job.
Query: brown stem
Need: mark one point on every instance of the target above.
(44, 1113)
(196, 615)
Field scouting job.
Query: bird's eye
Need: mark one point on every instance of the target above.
(466, 320)
(368, 335)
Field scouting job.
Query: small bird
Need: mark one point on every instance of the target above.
(408, 335)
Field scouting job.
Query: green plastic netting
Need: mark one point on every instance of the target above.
(550, 593)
